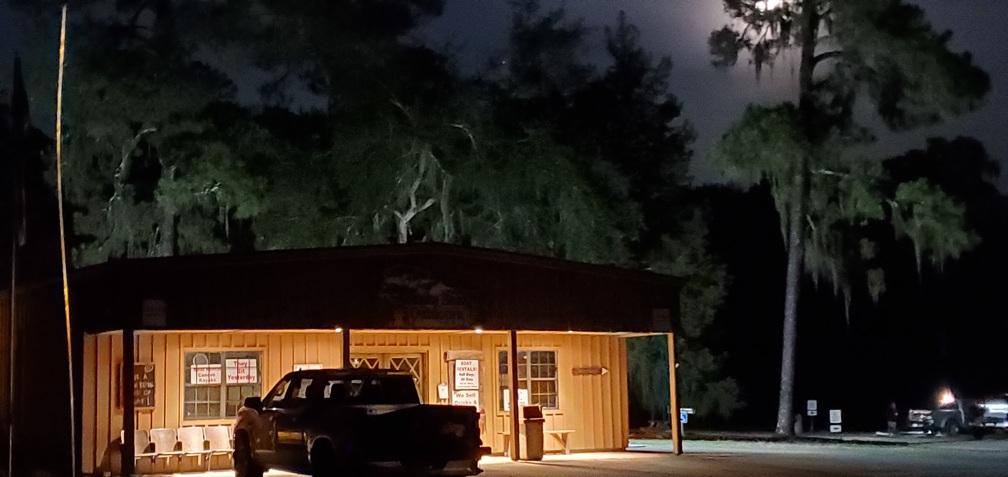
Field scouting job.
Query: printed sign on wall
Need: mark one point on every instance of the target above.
(466, 398)
(205, 374)
(241, 371)
(523, 398)
(143, 385)
(466, 374)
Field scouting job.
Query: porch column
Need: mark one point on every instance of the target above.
(129, 418)
(346, 348)
(673, 397)
(513, 372)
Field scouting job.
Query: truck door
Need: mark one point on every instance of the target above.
(264, 438)
(287, 426)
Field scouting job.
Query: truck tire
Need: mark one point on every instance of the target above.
(323, 460)
(951, 427)
(328, 462)
(244, 463)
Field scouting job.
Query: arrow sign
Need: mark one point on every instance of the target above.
(590, 370)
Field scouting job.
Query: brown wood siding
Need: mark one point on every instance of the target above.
(40, 380)
(594, 406)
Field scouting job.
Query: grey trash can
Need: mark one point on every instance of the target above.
(532, 433)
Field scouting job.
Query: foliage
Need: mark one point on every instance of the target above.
(154, 165)
(935, 225)
(700, 379)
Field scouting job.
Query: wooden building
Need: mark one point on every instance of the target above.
(205, 332)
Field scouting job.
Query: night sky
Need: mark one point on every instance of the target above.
(712, 99)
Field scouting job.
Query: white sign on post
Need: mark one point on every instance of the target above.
(466, 374)
(812, 408)
(835, 419)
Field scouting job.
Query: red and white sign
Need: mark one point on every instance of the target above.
(205, 374)
(466, 374)
(241, 371)
(466, 398)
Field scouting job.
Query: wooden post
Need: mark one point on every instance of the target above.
(513, 372)
(129, 418)
(674, 398)
(346, 348)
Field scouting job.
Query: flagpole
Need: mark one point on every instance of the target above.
(17, 236)
(63, 255)
(13, 341)
(13, 344)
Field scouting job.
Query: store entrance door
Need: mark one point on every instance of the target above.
(406, 362)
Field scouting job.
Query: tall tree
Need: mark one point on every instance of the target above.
(628, 119)
(883, 51)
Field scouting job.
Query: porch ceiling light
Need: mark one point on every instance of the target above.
(479, 330)
(339, 329)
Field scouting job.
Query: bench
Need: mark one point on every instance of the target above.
(560, 435)
(198, 441)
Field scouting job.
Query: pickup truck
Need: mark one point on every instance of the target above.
(336, 422)
(953, 415)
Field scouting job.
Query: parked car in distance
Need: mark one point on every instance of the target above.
(336, 422)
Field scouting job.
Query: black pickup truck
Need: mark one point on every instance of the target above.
(336, 422)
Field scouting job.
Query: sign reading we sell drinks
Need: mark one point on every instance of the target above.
(465, 398)
(241, 371)
(467, 374)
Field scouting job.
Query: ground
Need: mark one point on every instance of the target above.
(848, 455)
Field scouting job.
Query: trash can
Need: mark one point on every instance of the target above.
(532, 433)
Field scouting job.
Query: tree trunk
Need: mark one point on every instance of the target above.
(796, 252)
(167, 244)
(796, 220)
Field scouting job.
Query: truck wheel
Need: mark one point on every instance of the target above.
(323, 460)
(244, 464)
(951, 427)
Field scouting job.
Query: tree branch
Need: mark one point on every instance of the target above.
(826, 56)
(827, 172)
